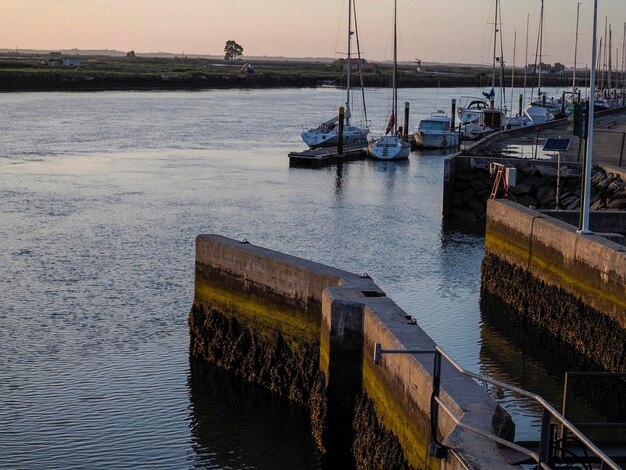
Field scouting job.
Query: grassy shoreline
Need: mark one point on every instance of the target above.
(97, 73)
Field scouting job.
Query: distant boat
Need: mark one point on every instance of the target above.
(392, 146)
(327, 133)
(435, 132)
(538, 110)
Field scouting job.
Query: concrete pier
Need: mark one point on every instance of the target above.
(572, 286)
(307, 331)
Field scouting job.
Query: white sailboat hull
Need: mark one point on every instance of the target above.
(389, 148)
(321, 137)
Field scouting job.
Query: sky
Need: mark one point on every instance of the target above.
(459, 31)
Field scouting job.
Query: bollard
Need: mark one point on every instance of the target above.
(340, 131)
(406, 120)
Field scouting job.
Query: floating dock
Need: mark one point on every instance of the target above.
(321, 157)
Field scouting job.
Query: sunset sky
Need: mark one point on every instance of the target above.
(441, 30)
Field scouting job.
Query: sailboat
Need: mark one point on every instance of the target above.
(392, 146)
(326, 134)
(538, 108)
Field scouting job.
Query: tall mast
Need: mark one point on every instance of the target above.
(624, 56)
(513, 70)
(576, 49)
(610, 63)
(495, 41)
(502, 85)
(349, 63)
(603, 52)
(395, 66)
(526, 59)
(540, 49)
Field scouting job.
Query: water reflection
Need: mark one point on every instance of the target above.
(235, 424)
(516, 352)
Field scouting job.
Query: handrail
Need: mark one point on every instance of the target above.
(438, 351)
(499, 440)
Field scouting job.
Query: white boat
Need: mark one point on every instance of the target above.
(327, 133)
(435, 132)
(392, 146)
(537, 110)
(470, 109)
(538, 114)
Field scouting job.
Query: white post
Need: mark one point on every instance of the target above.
(584, 230)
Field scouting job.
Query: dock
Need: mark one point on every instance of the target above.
(318, 158)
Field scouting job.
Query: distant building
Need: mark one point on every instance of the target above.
(71, 62)
(355, 62)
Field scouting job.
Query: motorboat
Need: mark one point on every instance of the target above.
(435, 132)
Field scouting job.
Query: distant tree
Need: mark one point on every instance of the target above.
(232, 51)
(558, 68)
(130, 54)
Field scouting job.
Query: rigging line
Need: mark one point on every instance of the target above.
(358, 51)
(340, 24)
(532, 88)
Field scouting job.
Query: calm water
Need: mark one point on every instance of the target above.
(101, 197)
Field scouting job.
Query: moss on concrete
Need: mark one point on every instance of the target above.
(296, 326)
(558, 312)
(391, 423)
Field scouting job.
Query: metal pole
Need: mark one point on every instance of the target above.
(558, 180)
(544, 443)
(585, 201)
(434, 406)
(564, 410)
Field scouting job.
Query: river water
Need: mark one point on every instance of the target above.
(101, 197)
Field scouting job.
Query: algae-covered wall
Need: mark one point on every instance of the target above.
(307, 331)
(572, 286)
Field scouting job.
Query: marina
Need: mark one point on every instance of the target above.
(178, 294)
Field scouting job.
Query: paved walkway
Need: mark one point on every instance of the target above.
(609, 143)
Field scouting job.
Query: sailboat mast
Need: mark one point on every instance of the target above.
(495, 42)
(395, 66)
(526, 59)
(624, 56)
(575, 50)
(540, 49)
(610, 63)
(502, 84)
(349, 63)
(513, 70)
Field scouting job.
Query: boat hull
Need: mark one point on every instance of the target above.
(436, 141)
(317, 138)
(389, 148)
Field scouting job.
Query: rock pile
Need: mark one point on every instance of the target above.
(536, 188)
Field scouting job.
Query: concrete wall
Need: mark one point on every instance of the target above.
(586, 273)
(269, 293)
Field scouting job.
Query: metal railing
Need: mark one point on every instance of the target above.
(543, 458)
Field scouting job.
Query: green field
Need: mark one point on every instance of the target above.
(103, 72)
